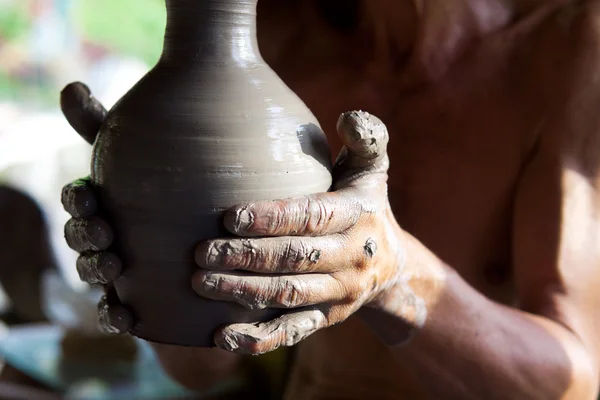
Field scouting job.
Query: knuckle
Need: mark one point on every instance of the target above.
(297, 254)
(362, 262)
(250, 297)
(318, 213)
(230, 254)
(276, 218)
(292, 293)
(353, 288)
(253, 256)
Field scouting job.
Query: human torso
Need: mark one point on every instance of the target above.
(457, 147)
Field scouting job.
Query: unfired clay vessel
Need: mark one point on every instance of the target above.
(210, 126)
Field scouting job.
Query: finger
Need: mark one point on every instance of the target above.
(78, 199)
(314, 215)
(291, 254)
(259, 292)
(104, 267)
(286, 330)
(114, 317)
(88, 234)
(365, 138)
(83, 112)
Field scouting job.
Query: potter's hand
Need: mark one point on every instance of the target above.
(319, 257)
(85, 233)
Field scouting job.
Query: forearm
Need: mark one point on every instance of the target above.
(471, 347)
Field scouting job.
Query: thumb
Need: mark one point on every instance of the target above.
(365, 139)
(83, 112)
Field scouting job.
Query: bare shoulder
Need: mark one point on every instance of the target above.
(560, 70)
(555, 242)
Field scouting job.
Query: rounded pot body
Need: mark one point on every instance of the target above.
(210, 126)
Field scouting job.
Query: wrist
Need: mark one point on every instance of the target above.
(401, 309)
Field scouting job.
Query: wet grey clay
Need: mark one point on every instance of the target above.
(210, 126)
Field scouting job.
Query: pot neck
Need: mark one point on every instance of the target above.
(211, 31)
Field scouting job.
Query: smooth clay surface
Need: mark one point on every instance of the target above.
(210, 126)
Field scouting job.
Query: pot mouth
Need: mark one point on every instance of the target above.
(232, 7)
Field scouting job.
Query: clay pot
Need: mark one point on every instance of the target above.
(210, 126)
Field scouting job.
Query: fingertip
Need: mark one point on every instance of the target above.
(83, 112)
(74, 93)
(362, 133)
(114, 318)
(78, 199)
(99, 268)
(88, 234)
(237, 339)
(225, 340)
(198, 281)
(201, 252)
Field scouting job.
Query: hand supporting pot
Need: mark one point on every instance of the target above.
(85, 232)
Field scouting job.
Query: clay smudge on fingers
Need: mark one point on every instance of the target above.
(98, 268)
(113, 318)
(287, 330)
(365, 138)
(88, 234)
(78, 199)
(366, 135)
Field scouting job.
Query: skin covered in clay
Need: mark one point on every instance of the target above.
(210, 126)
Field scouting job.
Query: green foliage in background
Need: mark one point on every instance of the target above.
(14, 22)
(131, 27)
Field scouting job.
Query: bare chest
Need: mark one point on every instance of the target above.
(457, 149)
(456, 154)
